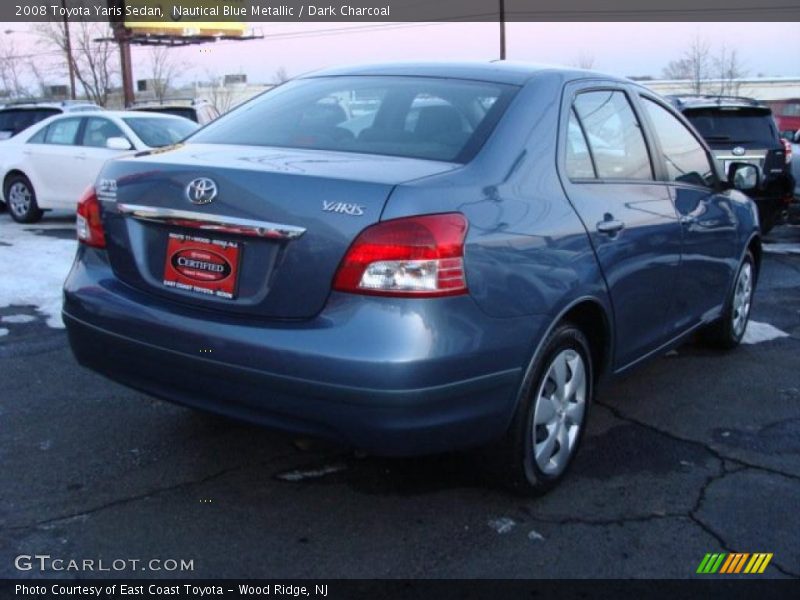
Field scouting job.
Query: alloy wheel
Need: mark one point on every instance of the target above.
(19, 198)
(742, 298)
(559, 411)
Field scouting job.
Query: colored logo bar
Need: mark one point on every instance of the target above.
(733, 563)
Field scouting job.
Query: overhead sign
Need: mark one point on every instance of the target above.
(184, 18)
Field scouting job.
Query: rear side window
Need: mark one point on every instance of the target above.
(63, 132)
(579, 160)
(417, 117)
(686, 159)
(734, 125)
(614, 135)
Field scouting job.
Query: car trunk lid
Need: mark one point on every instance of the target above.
(268, 243)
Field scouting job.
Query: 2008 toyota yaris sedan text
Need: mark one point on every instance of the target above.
(415, 258)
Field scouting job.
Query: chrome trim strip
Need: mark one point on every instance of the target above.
(207, 222)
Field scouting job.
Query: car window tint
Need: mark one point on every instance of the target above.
(62, 132)
(614, 135)
(734, 125)
(39, 136)
(686, 159)
(579, 161)
(98, 131)
(14, 120)
(419, 117)
(157, 133)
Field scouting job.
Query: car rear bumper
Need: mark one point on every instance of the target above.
(417, 377)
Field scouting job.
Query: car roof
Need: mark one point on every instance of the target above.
(117, 114)
(65, 105)
(508, 72)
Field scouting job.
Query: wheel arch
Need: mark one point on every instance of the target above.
(593, 319)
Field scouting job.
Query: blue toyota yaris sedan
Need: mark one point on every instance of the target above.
(415, 258)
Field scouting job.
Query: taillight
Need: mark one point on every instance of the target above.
(414, 256)
(787, 150)
(88, 224)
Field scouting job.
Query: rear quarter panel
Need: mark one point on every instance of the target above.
(527, 253)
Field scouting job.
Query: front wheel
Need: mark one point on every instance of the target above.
(550, 420)
(22, 200)
(727, 332)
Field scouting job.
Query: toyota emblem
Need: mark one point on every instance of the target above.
(738, 151)
(201, 191)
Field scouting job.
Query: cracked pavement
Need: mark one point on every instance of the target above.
(695, 452)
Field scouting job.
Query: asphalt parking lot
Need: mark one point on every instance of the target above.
(697, 452)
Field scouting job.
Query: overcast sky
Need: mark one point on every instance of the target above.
(617, 48)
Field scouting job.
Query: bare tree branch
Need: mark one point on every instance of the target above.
(10, 70)
(728, 69)
(280, 76)
(163, 70)
(695, 65)
(96, 64)
(220, 96)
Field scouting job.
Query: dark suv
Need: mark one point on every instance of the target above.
(743, 130)
(18, 116)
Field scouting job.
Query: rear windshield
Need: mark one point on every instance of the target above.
(14, 120)
(738, 126)
(417, 117)
(160, 132)
(176, 111)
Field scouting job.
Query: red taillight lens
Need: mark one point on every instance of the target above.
(88, 224)
(787, 150)
(414, 256)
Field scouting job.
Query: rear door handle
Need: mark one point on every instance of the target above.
(610, 227)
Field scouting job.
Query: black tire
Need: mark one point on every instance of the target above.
(512, 461)
(21, 200)
(727, 332)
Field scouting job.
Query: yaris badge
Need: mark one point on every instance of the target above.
(201, 190)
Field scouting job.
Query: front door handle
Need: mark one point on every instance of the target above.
(610, 227)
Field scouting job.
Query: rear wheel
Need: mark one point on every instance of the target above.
(728, 331)
(550, 420)
(21, 200)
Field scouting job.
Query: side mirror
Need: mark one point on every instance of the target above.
(743, 176)
(118, 143)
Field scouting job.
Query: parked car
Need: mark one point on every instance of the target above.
(787, 115)
(199, 111)
(463, 280)
(18, 116)
(52, 163)
(793, 216)
(743, 130)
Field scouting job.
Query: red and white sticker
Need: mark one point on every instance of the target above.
(202, 265)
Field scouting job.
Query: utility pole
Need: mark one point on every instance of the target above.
(125, 66)
(68, 50)
(502, 29)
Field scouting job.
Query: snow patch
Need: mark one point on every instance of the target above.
(18, 319)
(535, 536)
(3, 331)
(782, 248)
(299, 475)
(761, 332)
(33, 269)
(502, 525)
